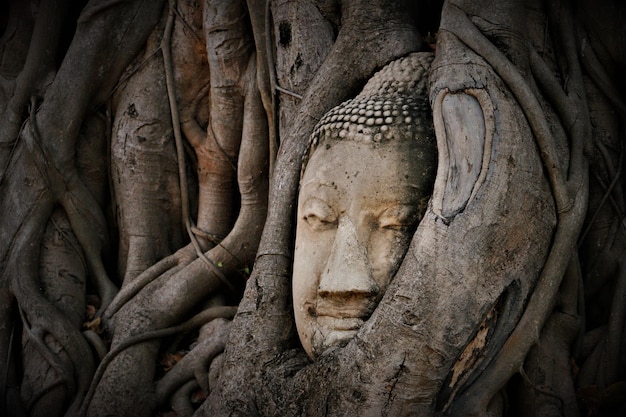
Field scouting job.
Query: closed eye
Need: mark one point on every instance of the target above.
(401, 218)
(318, 215)
(396, 226)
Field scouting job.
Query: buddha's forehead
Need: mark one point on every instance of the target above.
(347, 169)
(332, 155)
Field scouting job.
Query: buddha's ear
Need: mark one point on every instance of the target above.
(464, 126)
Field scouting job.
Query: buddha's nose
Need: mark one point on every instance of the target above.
(347, 272)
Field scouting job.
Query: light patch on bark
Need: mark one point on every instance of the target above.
(472, 352)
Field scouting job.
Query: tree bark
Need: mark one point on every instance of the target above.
(140, 153)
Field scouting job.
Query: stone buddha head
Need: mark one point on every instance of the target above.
(365, 187)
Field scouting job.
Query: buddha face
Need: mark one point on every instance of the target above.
(358, 207)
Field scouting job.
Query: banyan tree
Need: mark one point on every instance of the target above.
(314, 207)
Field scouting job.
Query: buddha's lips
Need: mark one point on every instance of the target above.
(342, 309)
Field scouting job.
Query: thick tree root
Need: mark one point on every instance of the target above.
(196, 363)
(569, 187)
(83, 211)
(181, 403)
(193, 323)
(166, 267)
(234, 151)
(48, 320)
(48, 372)
(144, 172)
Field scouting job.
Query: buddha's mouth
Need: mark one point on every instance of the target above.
(350, 309)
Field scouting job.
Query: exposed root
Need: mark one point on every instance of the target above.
(215, 370)
(4, 387)
(97, 344)
(569, 187)
(40, 314)
(607, 195)
(196, 363)
(606, 357)
(186, 255)
(194, 322)
(169, 266)
(238, 132)
(82, 209)
(182, 171)
(39, 65)
(83, 213)
(260, 19)
(540, 389)
(77, 351)
(36, 336)
(56, 324)
(42, 393)
(181, 402)
(600, 77)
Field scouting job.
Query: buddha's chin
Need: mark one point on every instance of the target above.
(334, 333)
(338, 338)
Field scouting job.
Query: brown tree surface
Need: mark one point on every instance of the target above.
(150, 159)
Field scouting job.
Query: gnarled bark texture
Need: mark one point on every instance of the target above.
(150, 159)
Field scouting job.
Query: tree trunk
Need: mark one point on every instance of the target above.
(150, 165)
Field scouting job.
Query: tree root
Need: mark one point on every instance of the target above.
(182, 172)
(36, 336)
(196, 363)
(37, 397)
(21, 272)
(161, 302)
(168, 266)
(73, 344)
(39, 66)
(54, 160)
(50, 321)
(180, 401)
(547, 369)
(605, 359)
(82, 209)
(184, 256)
(570, 193)
(48, 372)
(143, 171)
(194, 322)
(97, 343)
(260, 18)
